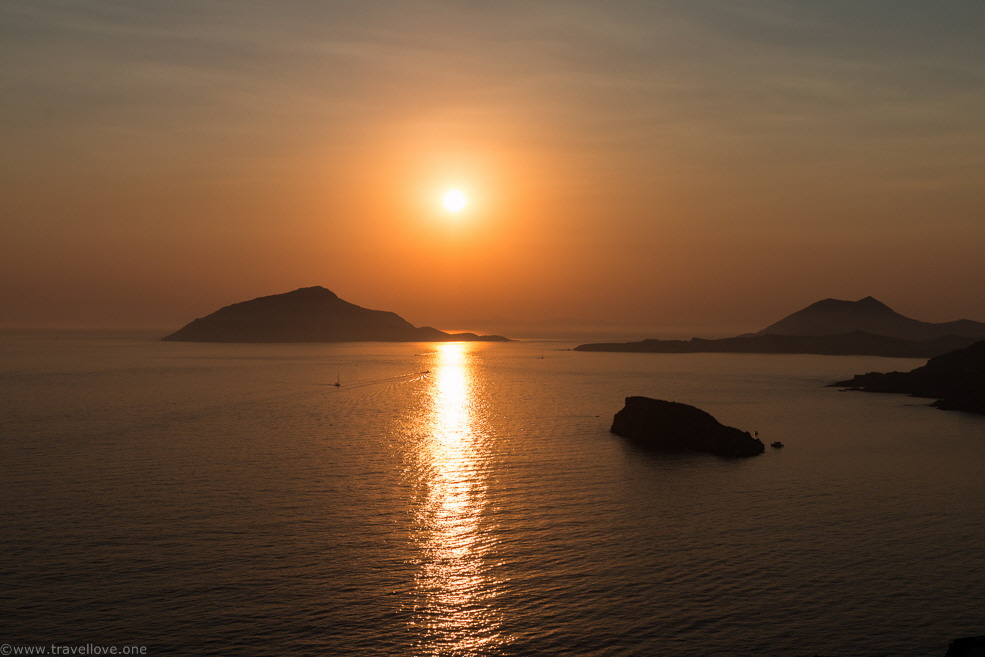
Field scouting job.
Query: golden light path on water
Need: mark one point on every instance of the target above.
(453, 579)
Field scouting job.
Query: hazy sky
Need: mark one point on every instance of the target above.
(692, 163)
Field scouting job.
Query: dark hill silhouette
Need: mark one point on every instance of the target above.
(956, 379)
(309, 314)
(831, 327)
(836, 317)
(672, 426)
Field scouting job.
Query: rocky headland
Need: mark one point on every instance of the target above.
(956, 380)
(972, 646)
(672, 426)
(310, 314)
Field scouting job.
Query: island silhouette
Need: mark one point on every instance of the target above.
(669, 426)
(868, 315)
(956, 379)
(866, 327)
(310, 314)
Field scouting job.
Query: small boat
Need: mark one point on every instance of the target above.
(338, 381)
(776, 444)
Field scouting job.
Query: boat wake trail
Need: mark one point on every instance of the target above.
(387, 381)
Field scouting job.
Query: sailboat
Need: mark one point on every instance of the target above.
(338, 380)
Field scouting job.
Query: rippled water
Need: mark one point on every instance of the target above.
(468, 499)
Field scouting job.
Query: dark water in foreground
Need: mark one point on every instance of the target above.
(229, 500)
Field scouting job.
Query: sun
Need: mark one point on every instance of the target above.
(454, 200)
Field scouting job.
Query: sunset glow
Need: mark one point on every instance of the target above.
(657, 165)
(316, 318)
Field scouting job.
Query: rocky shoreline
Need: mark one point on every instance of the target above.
(956, 380)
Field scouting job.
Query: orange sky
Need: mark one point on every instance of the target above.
(692, 166)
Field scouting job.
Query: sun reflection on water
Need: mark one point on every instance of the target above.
(453, 580)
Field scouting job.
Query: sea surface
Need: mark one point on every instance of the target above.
(468, 499)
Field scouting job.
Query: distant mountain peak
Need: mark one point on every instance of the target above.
(867, 304)
(314, 290)
(873, 304)
(836, 317)
(308, 314)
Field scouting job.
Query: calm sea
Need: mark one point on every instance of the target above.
(468, 499)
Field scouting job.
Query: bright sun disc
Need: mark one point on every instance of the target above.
(454, 200)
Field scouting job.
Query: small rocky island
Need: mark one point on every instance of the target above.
(310, 314)
(672, 426)
(955, 379)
